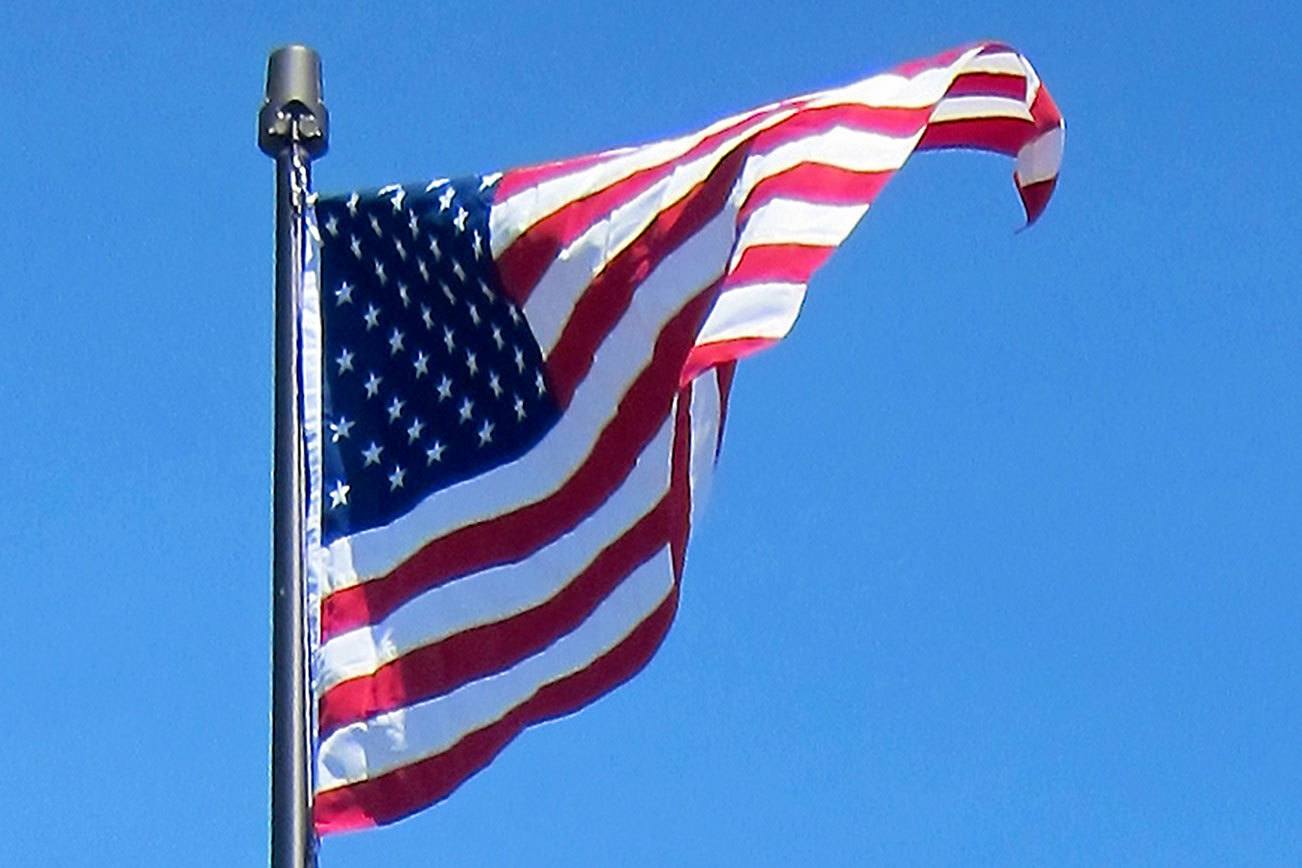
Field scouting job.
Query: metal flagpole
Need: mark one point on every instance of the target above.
(292, 128)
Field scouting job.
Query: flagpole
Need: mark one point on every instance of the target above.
(292, 128)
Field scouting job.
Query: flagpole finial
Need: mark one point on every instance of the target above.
(293, 110)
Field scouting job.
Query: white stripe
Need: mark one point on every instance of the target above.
(1040, 158)
(1032, 80)
(625, 352)
(960, 108)
(892, 90)
(1004, 63)
(705, 411)
(790, 221)
(310, 354)
(394, 739)
(764, 310)
(513, 216)
(500, 592)
(563, 284)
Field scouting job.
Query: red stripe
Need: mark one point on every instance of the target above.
(727, 371)
(886, 120)
(606, 299)
(989, 48)
(404, 791)
(518, 179)
(777, 263)
(441, 667)
(680, 501)
(1035, 198)
(815, 182)
(521, 532)
(525, 261)
(1009, 85)
(708, 355)
(1003, 135)
(1045, 110)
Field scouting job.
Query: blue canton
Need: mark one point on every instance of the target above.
(432, 375)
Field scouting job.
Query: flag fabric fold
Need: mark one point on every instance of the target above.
(515, 387)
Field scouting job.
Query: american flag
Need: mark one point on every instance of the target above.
(514, 387)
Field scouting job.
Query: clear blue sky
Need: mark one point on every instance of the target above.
(1002, 564)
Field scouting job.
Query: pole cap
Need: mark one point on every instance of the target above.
(293, 110)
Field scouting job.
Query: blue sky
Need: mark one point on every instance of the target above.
(1002, 561)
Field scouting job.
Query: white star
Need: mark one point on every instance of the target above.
(434, 453)
(332, 226)
(355, 245)
(372, 317)
(494, 384)
(343, 428)
(478, 245)
(487, 291)
(373, 385)
(489, 180)
(379, 272)
(424, 270)
(447, 293)
(460, 220)
(395, 409)
(515, 315)
(402, 251)
(519, 409)
(375, 227)
(448, 339)
(372, 454)
(402, 294)
(466, 407)
(345, 360)
(485, 433)
(471, 364)
(426, 317)
(538, 381)
(445, 388)
(413, 431)
(396, 201)
(344, 294)
(497, 337)
(396, 477)
(352, 204)
(339, 494)
(445, 199)
(458, 271)
(413, 224)
(395, 342)
(435, 249)
(519, 360)
(421, 364)
(474, 313)
(435, 184)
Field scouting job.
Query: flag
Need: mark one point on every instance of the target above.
(514, 387)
